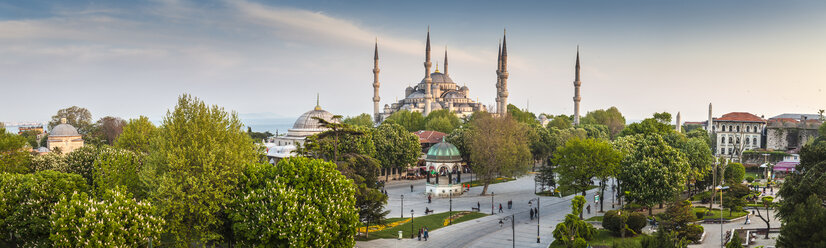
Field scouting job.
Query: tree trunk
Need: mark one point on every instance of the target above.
(602, 196)
(367, 230)
(485, 189)
(650, 210)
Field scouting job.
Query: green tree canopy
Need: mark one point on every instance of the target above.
(364, 120)
(194, 164)
(14, 153)
(580, 161)
(136, 135)
(117, 220)
(560, 122)
(441, 124)
(596, 131)
(522, 116)
(649, 126)
(115, 167)
(412, 121)
(735, 172)
(76, 116)
(651, 171)
(611, 117)
(27, 201)
(498, 146)
(300, 202)
(363, 171)
(395, 146)
(802, 208)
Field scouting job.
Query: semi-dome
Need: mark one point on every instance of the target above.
(306, 125)
(444, 152)
(63, 129)
(453, 94)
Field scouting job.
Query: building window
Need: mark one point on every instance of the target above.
(755, 140)
(748, 129)
(747, 141)
(738, 129)
(729, 140)
(730, 128)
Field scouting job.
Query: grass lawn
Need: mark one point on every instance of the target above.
(565, 191)
(432, 222)
(475, 183)
(716, 213)
(595, 218)
(605, 238)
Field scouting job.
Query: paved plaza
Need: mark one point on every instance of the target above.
(482, 232)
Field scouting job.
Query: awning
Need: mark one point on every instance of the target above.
(785, 166)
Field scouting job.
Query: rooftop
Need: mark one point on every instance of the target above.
(431, 137)
(741, 117)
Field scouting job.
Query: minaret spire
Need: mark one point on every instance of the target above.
(679, 126)
(710, 120)
(498, 77)
(503, 94)
(577, 83)
(445, 60)
(317, 105)
(376, 84)
(428, 96)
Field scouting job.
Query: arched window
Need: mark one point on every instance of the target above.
(729, 140)
(738, 128)
(748, 141)
(730, 128)
(748, 128)
(723, 140)
(755, 140)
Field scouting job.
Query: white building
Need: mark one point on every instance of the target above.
(737, 132)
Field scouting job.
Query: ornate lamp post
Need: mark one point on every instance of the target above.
(402, 211)
(450, 212)
(538, 206)
(513, 227)
(491, 203)
(411, 223)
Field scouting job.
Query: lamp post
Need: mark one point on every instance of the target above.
(402, 211)
(450, 212)
(491, 203)
(411, 223)
(538, 206)
(513, 227)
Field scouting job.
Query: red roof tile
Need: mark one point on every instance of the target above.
(740, 116)
(430, 136)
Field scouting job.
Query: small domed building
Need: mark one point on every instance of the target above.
(64, 137)
(444, 163)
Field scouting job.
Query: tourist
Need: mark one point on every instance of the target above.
(428, 198)
(420, 234)
(589, 208)
(531, 213)
(411, 188)
(478, 206)
(500, 208)
(748, 221)
(426, 235)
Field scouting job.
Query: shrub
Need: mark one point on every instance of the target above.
(694, 232)
(614, 223)
(636, 221)
(700, 214)
(750, 179)
(705, 197)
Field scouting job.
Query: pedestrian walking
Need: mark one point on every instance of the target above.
(747, 220)
(478, 206)
(420, 234)
(589, 208)
(531, 213)
(510, 204)
(428, 199)
(426, 235)
(411, 188)
(500, 208)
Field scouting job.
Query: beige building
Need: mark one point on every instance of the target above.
(737, 132)
(64, 137)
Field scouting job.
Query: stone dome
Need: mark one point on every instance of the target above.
(306, 125)
(63, 129)
(453, 94)
(439, 78)
(445, 152)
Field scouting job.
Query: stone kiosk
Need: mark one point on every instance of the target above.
(444, 166)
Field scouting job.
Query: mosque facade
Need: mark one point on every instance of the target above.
(437, 90)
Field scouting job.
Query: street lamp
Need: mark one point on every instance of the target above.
(411, 223)
(513, 226)
(491, 203)
(450, 212)
(402, 211)
(538, 206)
(721, 213)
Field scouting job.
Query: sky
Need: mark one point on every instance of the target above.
(269, 59)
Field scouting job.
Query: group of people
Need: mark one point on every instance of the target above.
(423, 233)
(534, 212)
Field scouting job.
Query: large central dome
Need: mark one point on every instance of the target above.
(306, 125)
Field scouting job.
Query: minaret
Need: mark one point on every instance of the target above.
(577, 83)
(710, 120)
(498, 77)
(428, 95)
(504, 75)
(678, 127)
(376, 99)
(445, 61)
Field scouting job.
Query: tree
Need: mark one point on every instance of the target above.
(14, 153)
(546, 177)
(31, 138)
(194, 165)
(258, 136)
(363, 170)
(81, 161)
(49, 161)
(574, 228)
(701, 134)
(364, 120)
(340, 139)
(522, 116)
(560, 122)
(28, 200)
(663, 117)
(561, 136)
(699, 158)
(580, 161)
(735, 242)
(395, 146)
(498, 146)
(663, 239)
(442, 120)
(596, 131)
(651, 170)
(678, 217)
(76, 116)
(458, 138)
(117, 220)
(541, 143)
(735, 173)
(300, 202)
(107, 129)
(649, 126)
(611, 117)
(802, 209)
(115, 167)
(412, 121)
(136, 135)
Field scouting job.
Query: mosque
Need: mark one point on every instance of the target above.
(438, 91)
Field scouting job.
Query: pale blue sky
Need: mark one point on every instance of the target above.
(130, 58)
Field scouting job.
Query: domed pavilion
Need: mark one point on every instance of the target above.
(64, 137)
(444, 163)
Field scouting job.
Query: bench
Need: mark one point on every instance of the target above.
(474, 209)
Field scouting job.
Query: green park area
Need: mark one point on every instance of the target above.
(475, 183)
(392, 226)
(566, 191)
(715, 213)
(604, 238)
